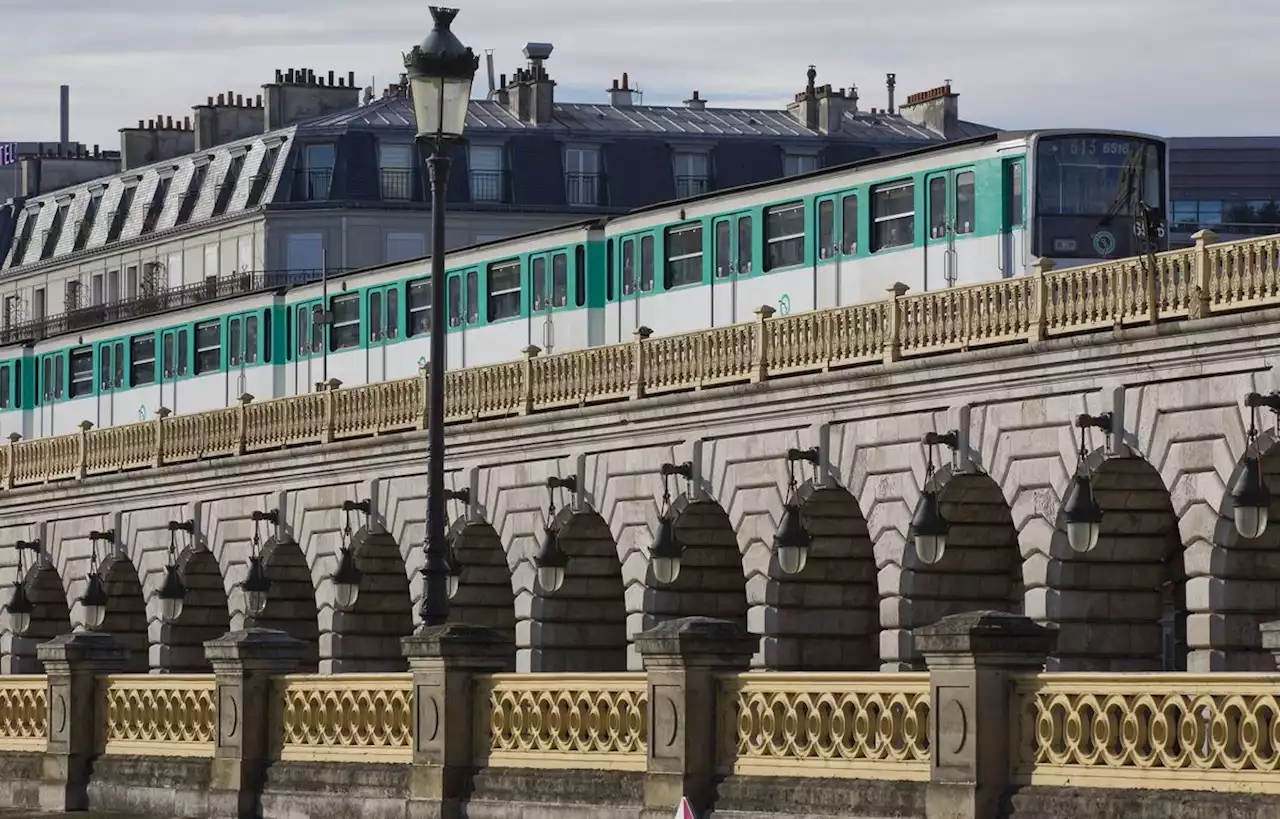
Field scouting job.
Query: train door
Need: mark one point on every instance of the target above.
(643, 301)
(938, 237)
(306, 350)
(110, 381)
(826, 255)
(1013, 233)
(540, 302)
(384, 330)
(52, 373)
(627, 310)
(176, 350)
(243, 335)
(463, 294)
(724, 283)
(967, 254)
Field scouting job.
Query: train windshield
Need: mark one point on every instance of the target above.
(1090, 193)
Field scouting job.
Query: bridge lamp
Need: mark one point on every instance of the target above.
(255, 587)
(441, 70)
(20, 607)
(346, 580)
(172, 592)
(667, 550)
(792, 540)
(94, 602)
(1081, 510)
(552, 561)
(929, 527)
(1250, 496)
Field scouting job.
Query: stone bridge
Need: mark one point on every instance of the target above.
(1169, 352)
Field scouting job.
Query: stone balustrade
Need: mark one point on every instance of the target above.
(1190, 283)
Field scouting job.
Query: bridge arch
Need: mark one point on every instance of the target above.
(367, 638)
(205, 614)
(50, 617)
(126, 613)
(485, 596)
(291, 601)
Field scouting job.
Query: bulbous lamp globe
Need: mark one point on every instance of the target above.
(20, 609)
(1083, 515)
(454, 576)
(346, 581)
(172, 595)
(666, 553)
(94, 602)
(792, 541)
(256, 586)
(441, 70)
(1251, 500)
(930, 529)
(552, 562)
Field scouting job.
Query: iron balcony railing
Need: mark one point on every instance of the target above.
(397, 183)
(148, 304)
(488, 186)
(312, 185)
(583, 188)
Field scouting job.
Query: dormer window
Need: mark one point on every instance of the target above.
(55, 230)
(796, 164)
(315, 174)
(582, 176)
(258, 184)
(156, 207)
(692, 176)
(488, 173)
(88, 220)
(194, 188)
(395, 171)
(228, 187)
(24, 238)
(121, 213)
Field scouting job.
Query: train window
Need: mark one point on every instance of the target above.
(111, 366)
(560, 280)
(345, 332)
(744, 244)
(317, 328)
(579, 276)
(455, 302)
(5, 388)
(17, 383)
(250, 340)
(266, 336)
(375, 315)
(538, 268)
(1016, 212)
(47, 379)
(849, 217)
(893, 216)
(81, 373)
(504, 289)
(234, 343)
(142, 360)
(827, 244)
(724, 253)
(937, 207)
(965, 211)
(208, 347)
(628, 266)
(684, 256)
(473, 297)
(175, 354)
(611, 291)
(784, 236)
(393, 312)
(646, 264)
(418, 300)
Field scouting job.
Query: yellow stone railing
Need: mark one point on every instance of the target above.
(1218, 732)
(159, 714)
(861, 726)
(343, 718)
(24, 713)
(1194, 282)
(585, 721)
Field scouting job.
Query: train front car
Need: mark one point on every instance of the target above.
(1097, 196)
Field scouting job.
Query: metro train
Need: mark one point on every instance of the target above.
(937, 217)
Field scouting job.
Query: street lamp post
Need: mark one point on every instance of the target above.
(440, 70)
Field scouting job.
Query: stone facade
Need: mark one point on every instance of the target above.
(1168, 548)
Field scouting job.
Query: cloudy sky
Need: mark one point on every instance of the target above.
(1171, 67)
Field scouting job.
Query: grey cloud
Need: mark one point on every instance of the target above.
(1166, 66)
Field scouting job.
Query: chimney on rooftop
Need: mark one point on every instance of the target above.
(620, 96)
(295, 96)
(154, 140)
(64, 94)
(891, 82)
(695, 103)
(805, 106)
(531, 95)
(937, 109)
(233, 116)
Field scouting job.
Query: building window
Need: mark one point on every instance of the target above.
(208, 347)
(965, 211)
(395, 171)
(121, 213)
(37, 305)
(10, 311)
(315, 173)
(227, 189)
(258, 185)
(97, 292)
(582, 176)
(142, 360)
(195, 187)
(850, 224)
(158, 197)
(691, 174)
(795, 164)
(87, 221)
(344, 333)
(488, 174)
(24, 238)
(893, 216)
(504, 289)
(418, 301)
(55, 230)
(81, 372)
(71, 295)
(684, 256)
(784, 236)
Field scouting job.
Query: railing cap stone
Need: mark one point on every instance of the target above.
(94, 651)
(988, 636)
(464, 644)
(256, 649)
(696, 641)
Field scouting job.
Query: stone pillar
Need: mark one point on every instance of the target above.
(1271, 639)
(682, 658)
(970, 658)
(444, 661)
(243, 664)
(72, 663)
